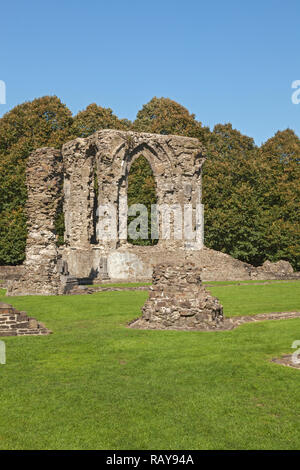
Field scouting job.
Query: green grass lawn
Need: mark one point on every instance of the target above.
(252, 299)
(250, 281)
(95, 384)
(122, 284)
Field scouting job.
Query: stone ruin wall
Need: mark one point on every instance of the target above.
(10, 273)
(138, 262)
(105, 156)
(44, 186)
(176, 164)
(177, 300)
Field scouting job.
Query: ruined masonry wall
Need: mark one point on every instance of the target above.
(44, 184)
(104, 157)
(177, 300)
(107, 156)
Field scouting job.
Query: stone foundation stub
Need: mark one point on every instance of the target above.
(177, 300)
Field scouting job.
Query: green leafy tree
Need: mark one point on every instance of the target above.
(233, 221)
(42, 122)
(251, 196)
(165, 116)
(142, 190)
(94, 118)
(280, 163)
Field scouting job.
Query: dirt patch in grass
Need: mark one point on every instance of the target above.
(286, 360)
(227, 324)
(236, 321)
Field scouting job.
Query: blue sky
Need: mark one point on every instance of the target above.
(226, 61)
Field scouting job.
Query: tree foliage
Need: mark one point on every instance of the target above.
(94, 118)
(165, 116)
(142, 190)
(280, 179)
(42, 122)
(228, 177)
(252, 197)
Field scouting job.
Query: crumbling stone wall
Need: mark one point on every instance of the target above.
(15, 323)
(214, 265)
(277, 270)
(10, 273)
(44, 185)
(106, 157)
(177, 300)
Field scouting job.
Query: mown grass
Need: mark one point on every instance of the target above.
(250, 281)
(96, 384)
(210, 283)
(122, 284)
(253, 299)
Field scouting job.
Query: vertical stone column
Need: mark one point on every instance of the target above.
(79, 172)
(44, 185)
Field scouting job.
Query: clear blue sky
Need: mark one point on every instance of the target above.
(226, 61)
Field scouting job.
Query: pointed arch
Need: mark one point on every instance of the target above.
(141, 189)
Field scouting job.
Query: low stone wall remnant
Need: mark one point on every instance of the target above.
(15, 323)
(177, 300)
(11, 272)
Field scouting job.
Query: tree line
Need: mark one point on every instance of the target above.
(251, 194)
